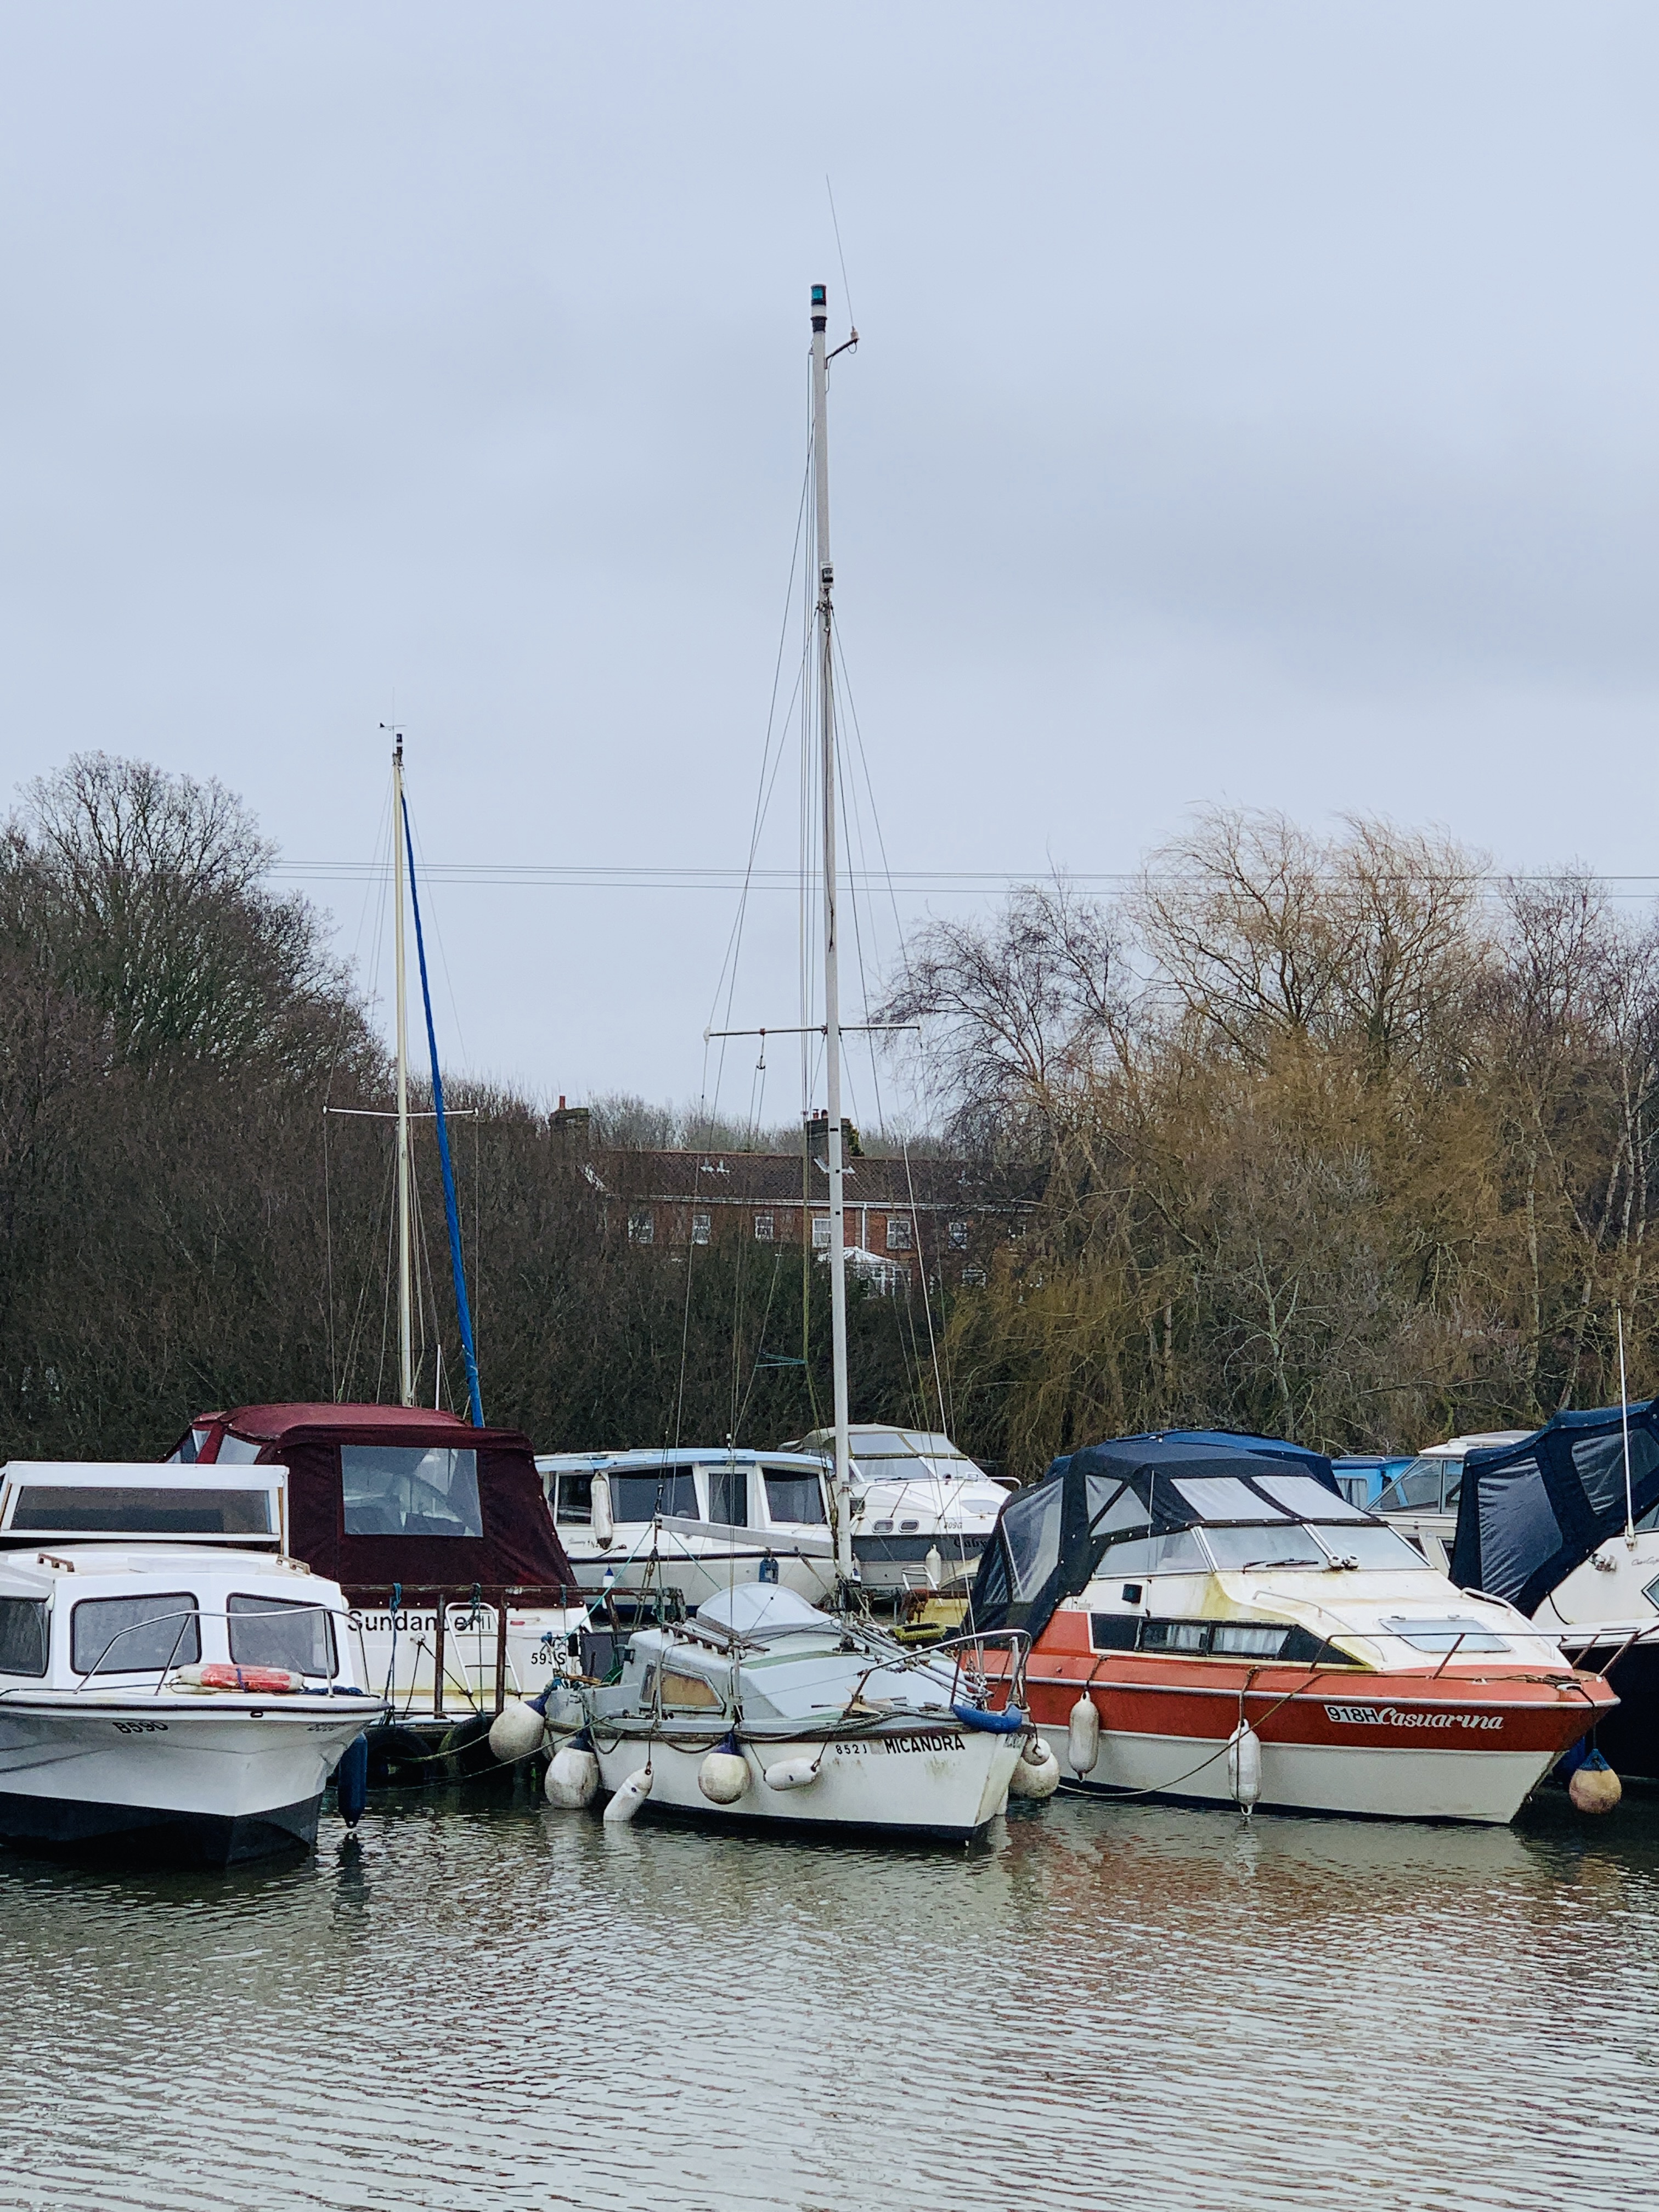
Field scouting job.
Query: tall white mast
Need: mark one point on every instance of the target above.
(831, 946)
(405, 1331)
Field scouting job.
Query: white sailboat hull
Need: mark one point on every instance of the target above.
(212, 1778)
(943, 1783)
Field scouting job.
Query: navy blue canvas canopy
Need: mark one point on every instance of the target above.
(1049, 1538)
(1529, 1513)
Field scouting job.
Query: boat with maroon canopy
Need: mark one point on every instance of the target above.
(461, 1597)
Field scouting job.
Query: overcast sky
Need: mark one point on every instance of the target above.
(1255, 403)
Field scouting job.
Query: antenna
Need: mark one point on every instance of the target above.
(1624, 1416)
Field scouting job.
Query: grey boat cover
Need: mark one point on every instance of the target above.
(1049, 1537)
(1528, 1514)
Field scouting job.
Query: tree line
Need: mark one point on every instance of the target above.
(1341, 1138)
(197, 1178)
(1344, 1140)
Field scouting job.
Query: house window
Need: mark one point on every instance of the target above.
(959, 1235)
(899, 1235)
(641, 1226)
(973, 1278)
(764, 1229)
(699, 1228)
(820, 1232)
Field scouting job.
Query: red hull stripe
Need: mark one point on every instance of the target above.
(1336, 1709)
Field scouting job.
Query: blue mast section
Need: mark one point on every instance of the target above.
(463, 1310)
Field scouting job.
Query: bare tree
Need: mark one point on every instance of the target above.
(1015, 1014)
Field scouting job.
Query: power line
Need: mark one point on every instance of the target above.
(966, 882)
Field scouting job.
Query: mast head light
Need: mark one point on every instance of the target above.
(820, 306)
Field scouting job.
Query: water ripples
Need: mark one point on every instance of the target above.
(484, 2004)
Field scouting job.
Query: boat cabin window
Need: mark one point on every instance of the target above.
(237, 1451)
(1222, 1497)
(572, 1499)
(681, 1689)
(1177, 1552)
(1442, 1635)
(1031, 1540)
(111, 1509)
(392, 1489)
(728, 1496)
(22, 1636)
(795, 1498)
(190, 1450)
(1301, 1494)
(135, 1635)
(881, 1444)
(660, 1490)
(1214, 1639)
(278, 1631)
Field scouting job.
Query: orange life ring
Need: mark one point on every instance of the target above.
(266, 1681)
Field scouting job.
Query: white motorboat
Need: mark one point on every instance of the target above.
(636, 1524)
(922, 1510)
(172, 1682)
(764, 1710)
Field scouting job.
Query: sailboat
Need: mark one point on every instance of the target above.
(763, 1708)
(463, 1605)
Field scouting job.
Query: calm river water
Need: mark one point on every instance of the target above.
(482, 2003)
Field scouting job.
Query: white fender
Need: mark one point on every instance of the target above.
(1244, 1764)
(1036, 1771)
(516, 1731)
(628, 1799)
(602, 1523)
(1082, 1734)
(723, 1776)
(935, 1566)
(793, 1774)
(572, 1779)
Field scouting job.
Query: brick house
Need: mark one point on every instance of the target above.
(932, 1211)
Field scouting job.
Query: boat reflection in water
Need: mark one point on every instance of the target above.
(1212, 1619)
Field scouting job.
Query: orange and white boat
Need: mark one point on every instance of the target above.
(1212, 1620)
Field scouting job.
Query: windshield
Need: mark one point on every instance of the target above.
(1280, 1546)
(1419, 1488)
(1311, 1548)
(1373, 1547)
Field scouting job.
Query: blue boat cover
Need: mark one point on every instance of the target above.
(1528, 1514)
(1049, 1537)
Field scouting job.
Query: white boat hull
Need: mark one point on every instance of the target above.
(940, 1783)
(1410, 1783)
(212, 1779)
